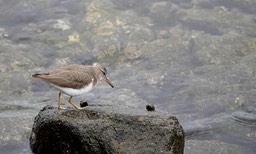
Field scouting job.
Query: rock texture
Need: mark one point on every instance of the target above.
(106, 129)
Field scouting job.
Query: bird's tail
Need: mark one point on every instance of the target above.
(37, 75)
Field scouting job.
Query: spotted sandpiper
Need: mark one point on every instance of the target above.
(74, 79)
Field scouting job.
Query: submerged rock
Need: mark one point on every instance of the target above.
(106, 129)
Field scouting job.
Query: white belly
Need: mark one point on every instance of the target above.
(76, 92)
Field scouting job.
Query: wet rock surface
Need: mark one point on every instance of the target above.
(105, 129)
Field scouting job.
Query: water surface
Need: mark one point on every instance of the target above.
(194, 59)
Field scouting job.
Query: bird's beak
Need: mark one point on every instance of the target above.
(107, 80)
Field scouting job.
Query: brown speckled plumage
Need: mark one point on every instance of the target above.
(74, 76)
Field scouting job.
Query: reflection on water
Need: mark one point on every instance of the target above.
(194, 59)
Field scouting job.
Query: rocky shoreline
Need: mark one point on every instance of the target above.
(106, 129)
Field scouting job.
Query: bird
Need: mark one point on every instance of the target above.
(74, 79)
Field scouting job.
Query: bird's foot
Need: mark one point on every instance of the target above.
(80, 108)
(61, 108)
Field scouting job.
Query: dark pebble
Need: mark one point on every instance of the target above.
(83, 103)
(150, 107)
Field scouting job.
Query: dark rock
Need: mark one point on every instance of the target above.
(150, 107)
(106, 129)
(83, 103)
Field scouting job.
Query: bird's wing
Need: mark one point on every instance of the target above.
(68, 79)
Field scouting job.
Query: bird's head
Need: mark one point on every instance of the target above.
(101, 73)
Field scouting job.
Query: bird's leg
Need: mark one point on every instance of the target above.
(69, 100)
(59, 107)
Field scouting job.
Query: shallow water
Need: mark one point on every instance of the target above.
(194, 59)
